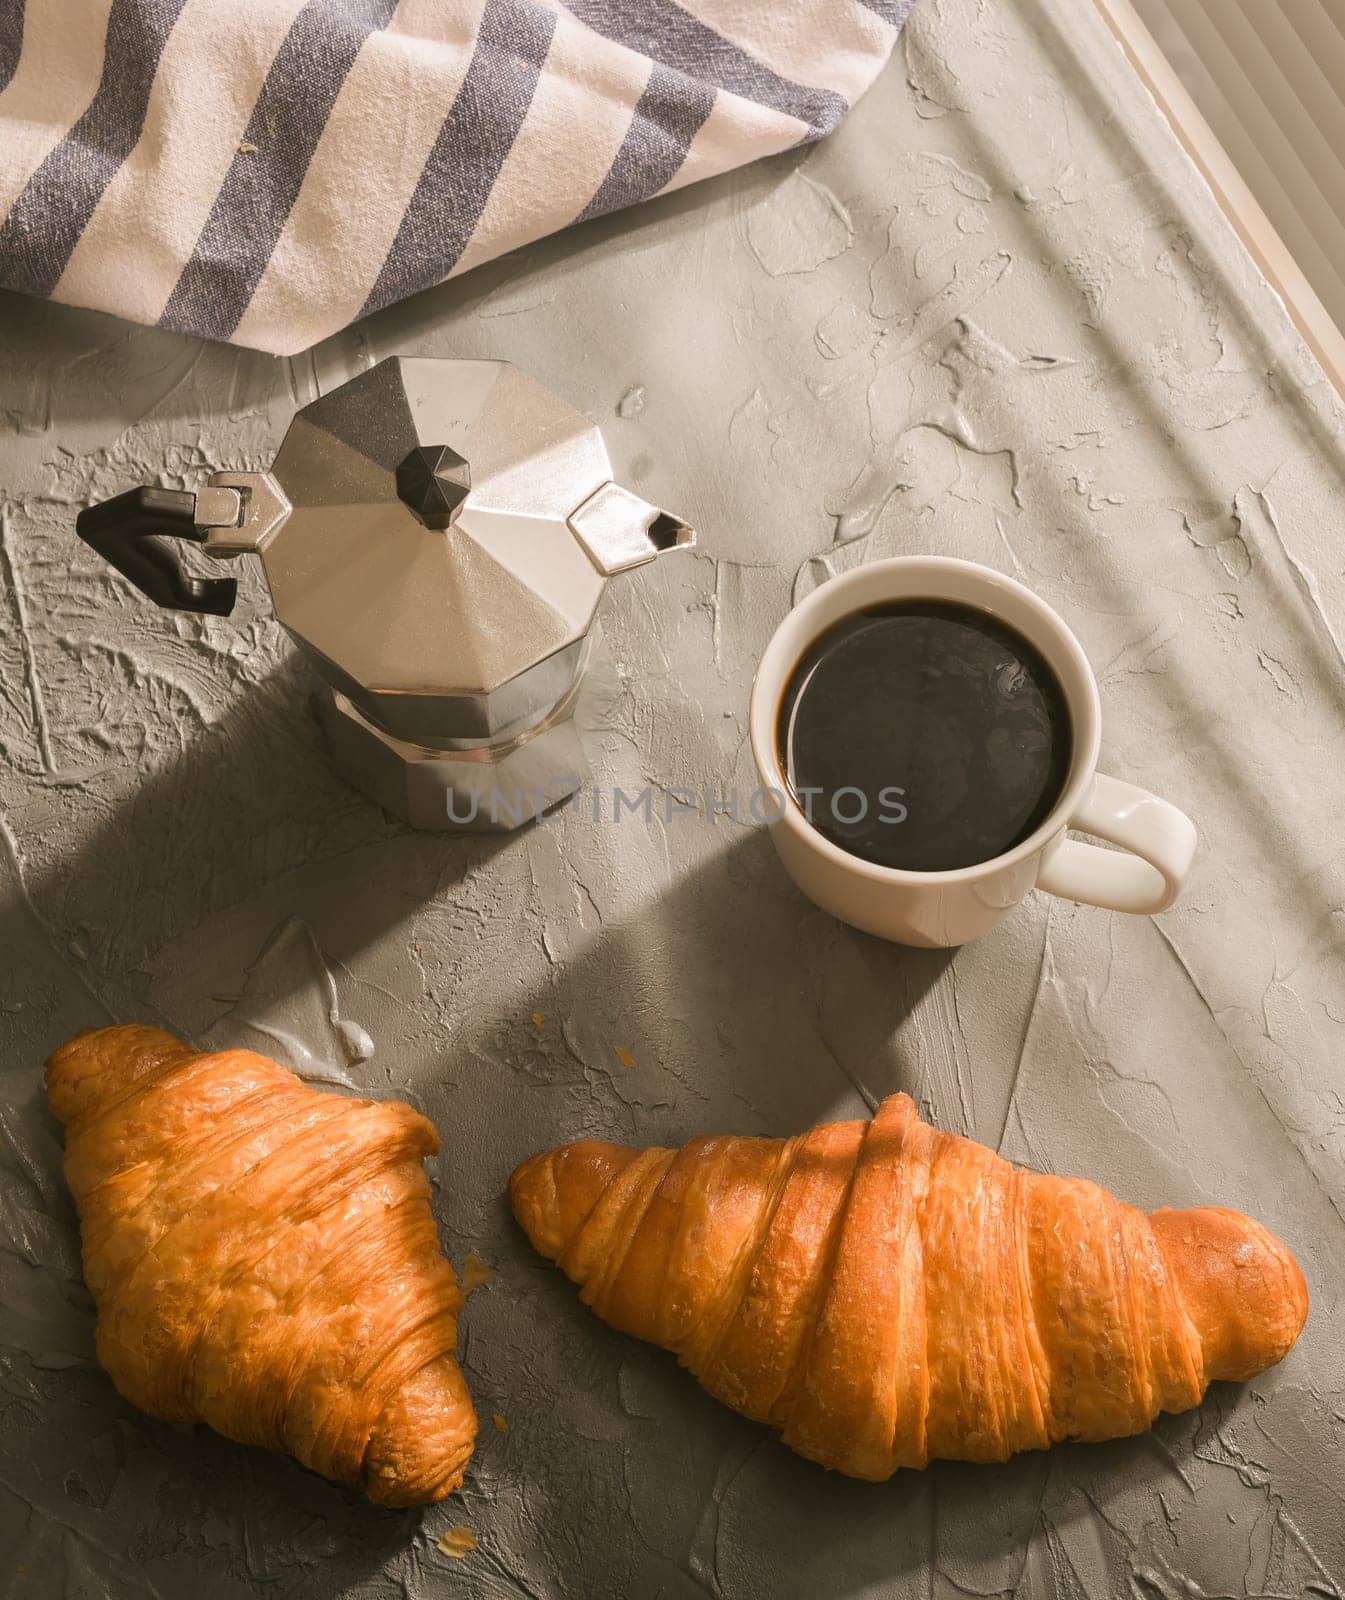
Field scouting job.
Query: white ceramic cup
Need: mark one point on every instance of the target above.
(948, 908)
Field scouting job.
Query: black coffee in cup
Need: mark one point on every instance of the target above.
(924, 735)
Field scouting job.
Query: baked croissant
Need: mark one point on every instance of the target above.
(884, 1294)
(264, 1259)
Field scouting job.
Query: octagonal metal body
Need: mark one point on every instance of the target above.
(489, 789)
(443, 636)
(437, 536)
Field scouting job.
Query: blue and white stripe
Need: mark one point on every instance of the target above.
(267, 170)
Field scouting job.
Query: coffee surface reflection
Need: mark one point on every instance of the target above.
(924, 736)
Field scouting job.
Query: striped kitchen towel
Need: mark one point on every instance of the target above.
(265, 171)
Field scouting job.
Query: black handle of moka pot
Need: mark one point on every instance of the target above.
(133, 533)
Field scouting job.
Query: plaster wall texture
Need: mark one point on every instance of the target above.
(995, 316)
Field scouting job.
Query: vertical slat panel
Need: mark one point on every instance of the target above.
(1256, 91)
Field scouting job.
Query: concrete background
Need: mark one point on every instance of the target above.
(994, 316)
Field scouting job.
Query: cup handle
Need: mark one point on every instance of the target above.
(1146, 875)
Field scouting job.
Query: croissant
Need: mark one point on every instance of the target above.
(264, 1259)
(884, 1294)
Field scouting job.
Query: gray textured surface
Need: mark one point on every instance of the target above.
(994, 316)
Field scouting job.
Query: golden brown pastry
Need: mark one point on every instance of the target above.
(264, 1258)
(885, 1294)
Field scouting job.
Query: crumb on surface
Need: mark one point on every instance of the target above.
(457, 1542)
(501, 1426)
(475, 1272)
(624, 1056)
(538, 1019)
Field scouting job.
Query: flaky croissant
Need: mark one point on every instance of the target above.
(264, 1259)
(885, 1294)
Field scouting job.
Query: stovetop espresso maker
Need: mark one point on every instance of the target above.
(437, 536)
